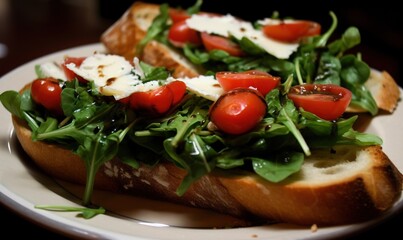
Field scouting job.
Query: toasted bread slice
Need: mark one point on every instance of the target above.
(123, 37)
(171, 59)
(344, 186)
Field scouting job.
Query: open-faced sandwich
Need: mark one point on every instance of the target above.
(269, 142)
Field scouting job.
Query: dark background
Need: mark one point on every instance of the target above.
(33, 28)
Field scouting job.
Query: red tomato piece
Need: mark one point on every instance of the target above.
(327, 101)
(178, 15)
(212, 42)
(70, 75)
(156, 102)
(292, 31)
(178, 89)
(238, 111)
(180, 34)
(47, 93)
(125, 100)
(262, 81)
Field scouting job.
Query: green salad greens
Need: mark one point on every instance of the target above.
(99, 129)
(316, 61)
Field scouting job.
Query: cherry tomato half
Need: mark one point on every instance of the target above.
(238, 111)
(47, 92)
(70, 75)
(262, 81)
(180, 34)
(212, 42)
(158, 101)
(292, 31)
(178, 88)
(327, 101)
(178, 15)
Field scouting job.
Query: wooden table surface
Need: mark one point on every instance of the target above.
(33, 28)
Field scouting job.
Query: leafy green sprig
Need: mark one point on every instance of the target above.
(83, 212)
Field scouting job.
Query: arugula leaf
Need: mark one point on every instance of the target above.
(363, 98)
(220, 55)
(286, 114)
(157, 27)
(194, 158)
(178, 134)
(354, 70)
(39, 72)
(75, 98)
(195, 8)
(127, 153)
(329, 70)
(95, 151)
(321, 41)
(280, 167)
(11, 100)
(250, 47)
(354, 74)
(350, 38)
(51, 124)
(229, 159)
(153, 73)
(195, 55)
(86, 213)
(27, 104)
(352, 137)
(321, 127)
(21, 106)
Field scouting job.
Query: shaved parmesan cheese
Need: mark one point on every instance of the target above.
(204, 86)
(50, 69)
(230, 26)
(113, 75)
(272, 21)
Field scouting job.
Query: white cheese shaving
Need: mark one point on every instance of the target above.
(113, 75)
(230, 26)
(273, 21)
(51, 69)
(204, 86)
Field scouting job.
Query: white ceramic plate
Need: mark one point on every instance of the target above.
(23, 186)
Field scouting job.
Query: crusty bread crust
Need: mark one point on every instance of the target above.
(179, 66)
(355, 184)
(384, 89)
(364, 193)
